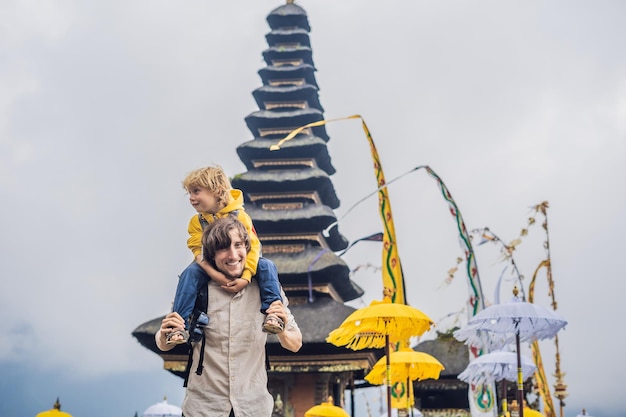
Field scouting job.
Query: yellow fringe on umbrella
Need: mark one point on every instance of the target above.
(406, 364)
(368, 326)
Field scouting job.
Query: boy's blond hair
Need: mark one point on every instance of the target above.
(212, 178)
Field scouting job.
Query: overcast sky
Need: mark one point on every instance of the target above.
(105, 106)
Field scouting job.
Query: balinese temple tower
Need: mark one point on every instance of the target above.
(291, 199)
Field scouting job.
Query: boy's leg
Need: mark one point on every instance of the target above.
(269, 286)
(189, 282)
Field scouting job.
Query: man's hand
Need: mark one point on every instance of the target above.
(235, 285)
(291, 338)
(277, 308)
(170, 323)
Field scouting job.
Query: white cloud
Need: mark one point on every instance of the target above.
(23, 20)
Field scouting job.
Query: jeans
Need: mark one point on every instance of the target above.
(194, 277)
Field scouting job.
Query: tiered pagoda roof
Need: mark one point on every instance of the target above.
(289, 193)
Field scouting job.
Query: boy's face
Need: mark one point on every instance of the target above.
(203, 200)
(231, 260)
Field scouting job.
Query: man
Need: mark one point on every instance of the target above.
(234, 380)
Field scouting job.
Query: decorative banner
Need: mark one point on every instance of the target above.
(560, 388)
(401, 394)
(476, 300)
(400, 398)
(393, 279)
(481, 397)
(540, 374)
(542, 383)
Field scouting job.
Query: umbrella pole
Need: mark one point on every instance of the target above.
(520, 378)
(503, 397)
(408, 393)
(352, 397)
(388, 376)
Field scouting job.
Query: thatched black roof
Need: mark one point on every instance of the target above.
(306, 92)
(452, 354)
(288, 15)
(299, 147)
(308, 219)
(316, 320)
(292, 119)
(298, 35)
(311, 219)
(273, 72)
(316, 259)
(304, 53)
(321, 265)
(288, 180)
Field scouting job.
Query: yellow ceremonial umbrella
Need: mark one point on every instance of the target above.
(406, 365)
(529, 412)
(55, 412)
(326, 410)
(376, 325)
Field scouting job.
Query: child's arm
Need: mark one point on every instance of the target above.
(252, 258)
(215, 275)
(235, 285)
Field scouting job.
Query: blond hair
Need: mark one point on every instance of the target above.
(212, 178)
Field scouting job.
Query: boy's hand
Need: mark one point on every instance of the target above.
(215, 275)
(235, 285)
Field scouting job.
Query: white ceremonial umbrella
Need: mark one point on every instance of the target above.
(508, 322)
(516, 321)
(163, 409)
(496, 366)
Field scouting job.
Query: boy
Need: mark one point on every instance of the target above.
(211, 194)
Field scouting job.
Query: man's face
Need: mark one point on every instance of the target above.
(203, 200)
(231, 260)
